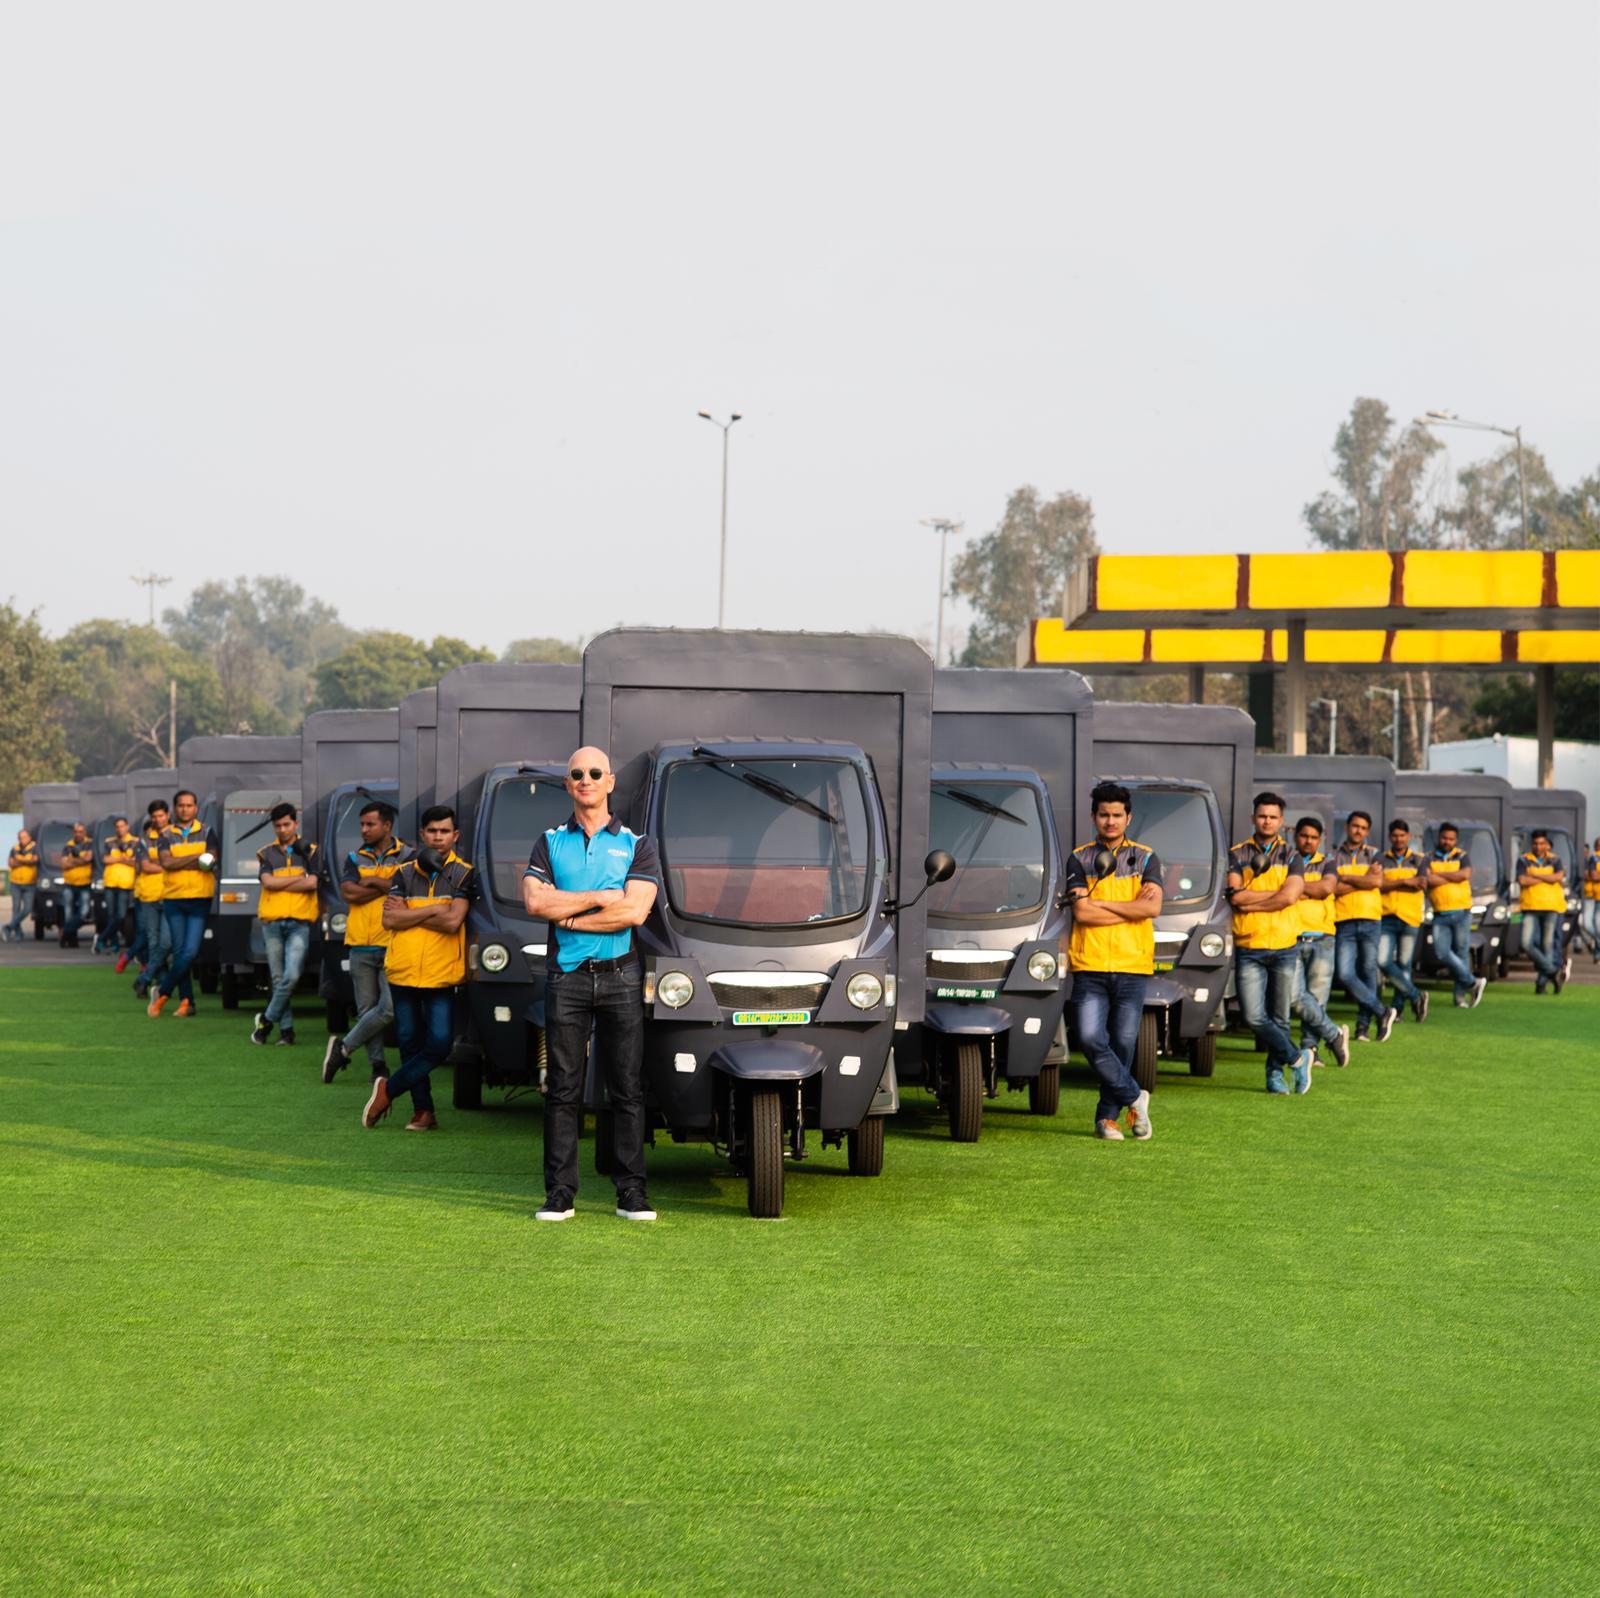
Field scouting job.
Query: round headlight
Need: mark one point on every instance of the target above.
(674, 990)
(864, 990)
(1498, 913)
(337, 923)
(494, 957)
(1041, 965)
(1211, 945)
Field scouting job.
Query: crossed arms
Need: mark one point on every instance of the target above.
(1144, 906)
(592, 910)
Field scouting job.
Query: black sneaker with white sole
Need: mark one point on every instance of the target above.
(558, 1207)
(286, 1039)
(335, 1060)
(263, 1028)
(634, 1207)
(1386, 1025)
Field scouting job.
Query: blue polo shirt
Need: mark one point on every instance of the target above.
(567, 858)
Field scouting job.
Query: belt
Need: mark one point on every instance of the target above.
(618, 964)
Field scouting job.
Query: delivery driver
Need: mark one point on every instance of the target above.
(151, 946)
(594, 881)
(117, 861)
(1589, 921)
(1540, 875)
(77, 873)
(288, 870)
(1265, 881)
(22, 866)
(188, 850)
(1314, 986)
(1450, 893)
(1358, 924)
(364, 885)
(1114, 888)
(425, 913)
(1405, 876)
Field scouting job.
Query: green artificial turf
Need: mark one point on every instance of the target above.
(1342, 1344)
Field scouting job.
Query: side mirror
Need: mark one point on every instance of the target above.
(940, 866)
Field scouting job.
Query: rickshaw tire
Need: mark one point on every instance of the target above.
(1203, 1055)
(865, 1146)
(466, 1087)
(965, 1092)
(1044, 1091)
(210, 978)
(1145, 1054)
(229, 988)
(38, 930)
(605, 1143)
(765, 1177)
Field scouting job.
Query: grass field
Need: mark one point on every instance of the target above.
(1343, 1343)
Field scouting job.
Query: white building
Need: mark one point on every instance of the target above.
(1577, 764)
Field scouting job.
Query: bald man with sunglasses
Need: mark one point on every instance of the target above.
(594, 881)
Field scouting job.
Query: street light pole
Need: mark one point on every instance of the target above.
(1333, 724)
(1450, 419)
(943, 526)
(722, 565)
(150, 582)
(1393, 695)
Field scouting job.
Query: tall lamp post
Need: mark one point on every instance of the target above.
(1450, 419)
(722, 565)
(1393, 696)
(150, 583)
(943, 526)
(1332, 707)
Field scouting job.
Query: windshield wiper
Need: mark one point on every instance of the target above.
(246, 837)
(972, 801)
(767, 785)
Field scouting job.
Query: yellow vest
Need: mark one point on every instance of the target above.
(1129, 947)
(119, 872)
(79, 872)
(25, 866)
(364, 928)
(1403, 906)
(1316, 915)
(184, 843)
(420, 957)
(1544, 895)
(1457, 893)
(1367, 903)
(149, 887)
(287, 904)
(1266, 929)
(1591, 890)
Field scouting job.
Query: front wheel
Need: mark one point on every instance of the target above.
(765, 1174)
(466, 1087)
(964, 1093)
(1145, 1054)
(1044, 1091)
(210, 978)
(1203, 1055)
(865, 1146)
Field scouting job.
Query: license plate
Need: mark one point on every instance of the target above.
(771, 1017)
(965, 993)
(1165, 965)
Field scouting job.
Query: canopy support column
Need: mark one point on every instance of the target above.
(1197, 685)
(1544, 678)
(1295, 687)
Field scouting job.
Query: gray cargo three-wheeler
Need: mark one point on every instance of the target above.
(102, 800)
(1190, 770)
(504, 735)
(419, 738)
(48, 812)
(1011, 750)
(784, 777)
(1563, 813)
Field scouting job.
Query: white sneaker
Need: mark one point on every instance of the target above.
(1386, 1025)
(1477, 992)
(550, 1212)
(1109, 1130)
(1339, 1047)
(1139, 1116)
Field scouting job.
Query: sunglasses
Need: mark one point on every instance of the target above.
(594, 774)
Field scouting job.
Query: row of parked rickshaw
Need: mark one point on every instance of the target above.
(863, 863)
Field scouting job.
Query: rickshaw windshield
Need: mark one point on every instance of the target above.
(1476, 840)
(1177, 823)
(765, 843)
(244, 830)
(996, 833)
(53, 837)
(344, 833)
(520, 810)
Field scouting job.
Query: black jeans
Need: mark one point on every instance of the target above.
(610, 1004)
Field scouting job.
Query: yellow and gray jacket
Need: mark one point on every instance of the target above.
(188, 843)
(1316, 915)
(1547, 893)
(1264, 868)
(1130, 946)
(364, 928)
(1404, 904)
(149, 887)
(1456, 894)
(422, 957)
(1356, 860)
(295, 858)
(77, 863)
(118, 859)
(24, 867)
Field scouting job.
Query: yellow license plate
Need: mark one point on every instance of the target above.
(1165, 965)
(771, 1017)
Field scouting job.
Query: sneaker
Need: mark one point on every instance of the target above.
(1386, 1025)
(286, 1038)
(1361, 1037)
(335, 1060)
(263, 1029)
(558, 1207)
(1109, 1130)
(141, 990)
(122, 964)
(378, 1105)
(1419, 1006)
(1339, 1047)
(185, 1008)
(1139, 1117)
(1476, 996)
(1538, 986)
(157, 1005)
(1275, 1082)
(422, 1121)
(1302, 1071)
(634, 1207)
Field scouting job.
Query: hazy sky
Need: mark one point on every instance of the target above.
(417, 304)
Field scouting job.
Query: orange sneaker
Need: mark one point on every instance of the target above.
(1109, 1130)
(156, 1005)
(185, 1007)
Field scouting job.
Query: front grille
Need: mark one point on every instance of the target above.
(947, 970)
(746, 995)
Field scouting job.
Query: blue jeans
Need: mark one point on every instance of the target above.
(1266, 980)
(1397, 949)
(1313, 988)
(74, 910)
(374, 1005)
(286, 942)
(1356, 959)
(116, 913)
(186, 931)
(1541, 932)
(1589, 922)
(424, 1018)
(21, 905)
(1109, 1005)
(152, 943)
(1452, 947)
